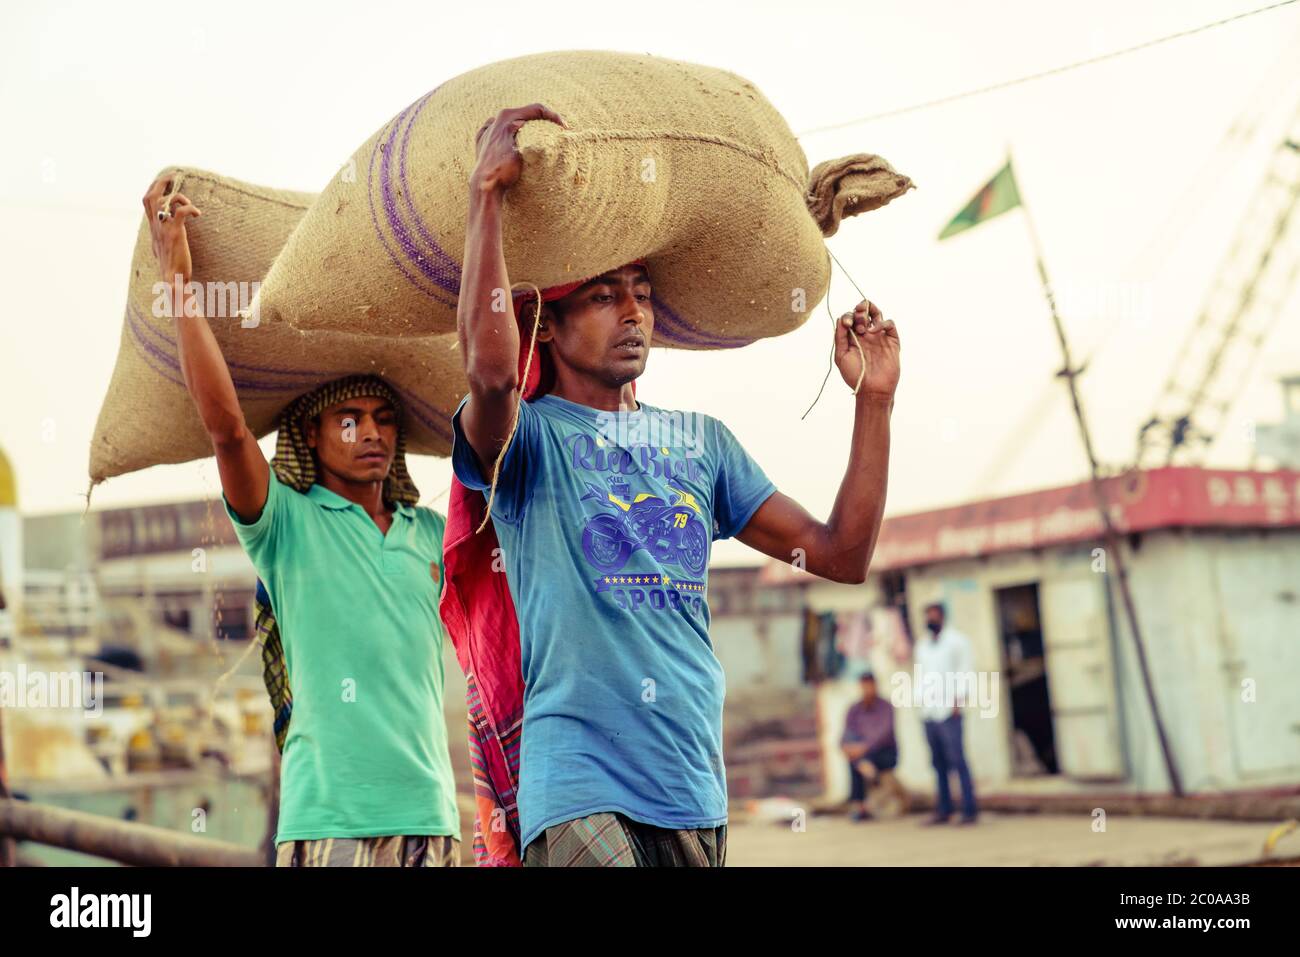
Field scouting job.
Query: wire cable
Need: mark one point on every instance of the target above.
(1029, 78)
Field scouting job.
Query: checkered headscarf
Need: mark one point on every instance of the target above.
(293, 461)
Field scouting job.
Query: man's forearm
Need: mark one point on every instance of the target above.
(854, 524)
(489, 338)
(207, 377)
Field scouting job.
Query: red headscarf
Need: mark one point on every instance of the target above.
(479, 612)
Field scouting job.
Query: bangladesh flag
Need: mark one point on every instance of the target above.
(998, 195)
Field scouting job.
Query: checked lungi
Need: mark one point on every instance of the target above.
(613, 840)
(395, 851)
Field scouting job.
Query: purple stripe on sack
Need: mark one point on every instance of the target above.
(379, 232)
(161, 363)
(165, 362)
(443, 270)
(400, 231)
(149, 349)
(232, 364)
(439, 423)
(300, 386)
(401, 234)
(673, 328)
(170, 356)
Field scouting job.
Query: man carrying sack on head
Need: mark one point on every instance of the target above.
(605, 508)
(351, 571)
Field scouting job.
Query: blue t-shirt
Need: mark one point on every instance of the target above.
(606, 521)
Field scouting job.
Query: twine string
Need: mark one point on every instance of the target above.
(166, 208)
(853, 336)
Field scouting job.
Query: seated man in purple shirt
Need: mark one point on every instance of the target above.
(868, 743)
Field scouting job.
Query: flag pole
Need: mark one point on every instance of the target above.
(1111, 537)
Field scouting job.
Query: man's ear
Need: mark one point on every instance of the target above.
(311, 429)
(546, 328)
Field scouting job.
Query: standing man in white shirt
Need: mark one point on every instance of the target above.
(946, 653)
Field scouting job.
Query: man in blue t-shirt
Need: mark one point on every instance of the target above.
(606, 509)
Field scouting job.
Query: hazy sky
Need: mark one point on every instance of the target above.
(1132, 172)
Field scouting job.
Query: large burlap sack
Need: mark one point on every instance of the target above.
(686, 166)
(148, 417)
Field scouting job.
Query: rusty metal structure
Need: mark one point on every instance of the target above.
(1243, 304)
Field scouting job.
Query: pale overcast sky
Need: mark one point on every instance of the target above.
(1134, 178)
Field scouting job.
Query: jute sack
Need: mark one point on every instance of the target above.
(686, 166)
(148, 417)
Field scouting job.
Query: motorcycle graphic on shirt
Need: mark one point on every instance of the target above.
(672, 532)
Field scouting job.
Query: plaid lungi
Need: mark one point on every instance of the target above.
(613, 840)
(395, 851)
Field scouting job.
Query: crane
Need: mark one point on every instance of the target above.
(1243, 304)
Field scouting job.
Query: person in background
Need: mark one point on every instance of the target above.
(946, 652)
(868, 743)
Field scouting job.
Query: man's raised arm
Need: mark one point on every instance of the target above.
(841, 547)
(243, 469)
(485, 320)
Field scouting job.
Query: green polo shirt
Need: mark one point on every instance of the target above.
(366, 754)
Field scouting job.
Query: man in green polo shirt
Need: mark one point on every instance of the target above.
(352, 572)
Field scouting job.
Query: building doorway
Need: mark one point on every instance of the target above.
(1024, 672)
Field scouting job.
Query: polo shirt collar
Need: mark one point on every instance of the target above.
(327, 499)
(336, 502)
